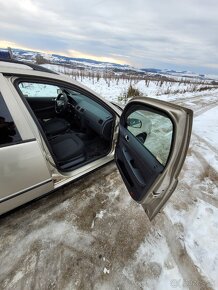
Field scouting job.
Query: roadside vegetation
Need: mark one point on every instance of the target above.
(166, 84)
(130, 82)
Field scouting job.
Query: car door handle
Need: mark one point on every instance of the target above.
(127, 138)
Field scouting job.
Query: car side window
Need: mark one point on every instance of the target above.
(9, 134)
(154, 131)
(40, 90)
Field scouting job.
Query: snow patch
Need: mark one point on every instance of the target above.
(98, 216)
(200, 225)
(106, 271)
(206, 126)
(154, 266)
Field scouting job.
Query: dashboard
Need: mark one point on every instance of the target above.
(95, 115)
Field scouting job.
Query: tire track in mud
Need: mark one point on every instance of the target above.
(189, 271)
(199, 101)
(210, 173)
(205, 109)
(201, 107)
(183, 200)
(201, 140)
(186, 265)
(195, 98)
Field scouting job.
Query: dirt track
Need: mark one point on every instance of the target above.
(91, 235)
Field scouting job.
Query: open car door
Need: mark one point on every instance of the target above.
(152, 145)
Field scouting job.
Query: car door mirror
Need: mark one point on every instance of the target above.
(153, 130)
(134, 123)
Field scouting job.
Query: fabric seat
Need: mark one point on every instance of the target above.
(68, 149)
(55, 126)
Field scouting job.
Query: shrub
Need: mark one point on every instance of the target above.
(39, 59)
(130, 93)
(133, 92)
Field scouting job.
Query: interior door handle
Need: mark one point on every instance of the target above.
(127, 138)
(134, 169)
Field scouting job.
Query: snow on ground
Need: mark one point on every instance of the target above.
(206, 127)
(91, 235)
(193, 208)
(200, 226)
(154, 265)
(113, 89)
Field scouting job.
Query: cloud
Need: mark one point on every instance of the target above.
(172, 34)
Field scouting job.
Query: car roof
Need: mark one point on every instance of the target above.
(21, 65)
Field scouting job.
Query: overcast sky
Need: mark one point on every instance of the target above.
(144, 33)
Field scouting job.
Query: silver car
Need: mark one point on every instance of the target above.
(53, 130)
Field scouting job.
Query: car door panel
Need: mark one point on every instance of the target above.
(23, 170)
(25, 197)
(143, 171)
(149, 175)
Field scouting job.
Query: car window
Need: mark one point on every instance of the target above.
(9, 134)
(154, 131)
(40, 90)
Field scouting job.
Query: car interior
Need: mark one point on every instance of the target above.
(77, 129)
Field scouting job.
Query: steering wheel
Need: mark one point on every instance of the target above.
(61, 103)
